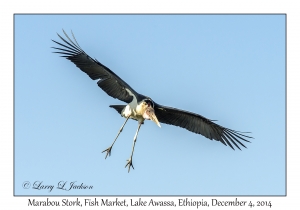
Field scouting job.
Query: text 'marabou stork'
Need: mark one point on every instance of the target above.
(140, 107)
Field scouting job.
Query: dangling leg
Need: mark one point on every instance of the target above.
(129, 161)
(108, 150)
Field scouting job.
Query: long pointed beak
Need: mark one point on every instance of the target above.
(150, 114)
(154, 119)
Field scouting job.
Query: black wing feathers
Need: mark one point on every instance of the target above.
(200, 125)
(113, 85)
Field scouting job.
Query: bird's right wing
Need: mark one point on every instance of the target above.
(200, 125)
(111, 83)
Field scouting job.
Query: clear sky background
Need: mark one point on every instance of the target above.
(229, 68)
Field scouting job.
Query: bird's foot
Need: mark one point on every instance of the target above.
(108, 151)
(129, 164)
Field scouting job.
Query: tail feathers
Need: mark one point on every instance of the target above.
(118, 108)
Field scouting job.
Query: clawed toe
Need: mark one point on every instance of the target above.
(108, 151)
(129, 164)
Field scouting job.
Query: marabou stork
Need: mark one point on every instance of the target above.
(140, 107)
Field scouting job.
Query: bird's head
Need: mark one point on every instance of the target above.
(149, 113)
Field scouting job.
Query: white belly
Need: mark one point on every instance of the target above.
(132, 110)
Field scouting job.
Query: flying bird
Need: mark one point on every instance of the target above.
(140, 107)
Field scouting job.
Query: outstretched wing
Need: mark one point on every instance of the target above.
(111, 83)
(200, 125)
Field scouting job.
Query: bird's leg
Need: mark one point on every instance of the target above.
(108, 150)
(129, 161)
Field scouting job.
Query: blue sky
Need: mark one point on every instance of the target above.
(229, 68)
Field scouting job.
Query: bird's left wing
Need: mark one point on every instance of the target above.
(111, 83)
(200, 125)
